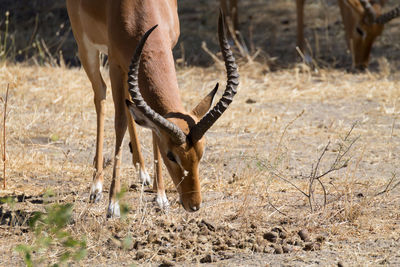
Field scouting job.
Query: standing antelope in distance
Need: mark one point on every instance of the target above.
(363, 23)
(116, 27)
(230, 10)
(362, 19)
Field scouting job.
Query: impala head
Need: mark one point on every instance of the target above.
(181, 134)
(364, 23)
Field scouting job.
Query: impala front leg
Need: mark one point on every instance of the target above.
(158, 184)
(120, 124)
(98, 176)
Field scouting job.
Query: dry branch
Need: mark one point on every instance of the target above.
(4, 137)
(339, 163)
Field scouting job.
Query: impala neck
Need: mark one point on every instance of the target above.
(157, 77)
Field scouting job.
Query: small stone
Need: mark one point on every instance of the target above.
(283, 235)
(163, 251)
(250, 101)
(271, 237)
(311, 246)
(278, 249)
(231, 243)
(281, 232)
(220, 248)
(209, 225)
(140, 255)
(304, 235)
(226, 255)
(298, 243)
(268, 249)
(287, 249)
(340, 264)
(166, 263)
(277, 229)
(208, 259)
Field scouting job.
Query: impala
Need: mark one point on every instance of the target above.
(363, 22)
(230, 10)
(116, 27)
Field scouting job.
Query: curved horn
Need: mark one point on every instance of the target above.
(369, 10)
(197, 131)
(174, 131)
(388, 16)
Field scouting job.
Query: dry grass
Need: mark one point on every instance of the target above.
(279, 123)
(51, 144)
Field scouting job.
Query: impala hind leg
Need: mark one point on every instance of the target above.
(300, 30)
(89, 57)
(158, 184)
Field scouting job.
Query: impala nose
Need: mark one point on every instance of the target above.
(195, 208)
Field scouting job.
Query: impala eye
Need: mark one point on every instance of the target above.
(360, 32)
(171, 157)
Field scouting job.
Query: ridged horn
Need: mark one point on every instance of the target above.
(388, 16)
(369, 10)
(198, 130)
(174, 131)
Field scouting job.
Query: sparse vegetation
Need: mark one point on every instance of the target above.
(50, 234)
(279, 127)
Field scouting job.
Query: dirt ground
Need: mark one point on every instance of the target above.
(274, 132)
(258, 163)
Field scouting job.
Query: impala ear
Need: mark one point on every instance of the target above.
(355, 5)
(201, 109)
(140, 118)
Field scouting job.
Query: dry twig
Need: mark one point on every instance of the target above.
(388, 188)
(4, 137)
(315, 176)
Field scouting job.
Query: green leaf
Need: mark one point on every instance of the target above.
(65, 256)
(80, 254)
(26, 252)
(70, 242)
(34, 219)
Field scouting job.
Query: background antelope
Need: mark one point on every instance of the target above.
(363, 21)
(116, 28)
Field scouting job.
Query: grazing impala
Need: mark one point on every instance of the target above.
(116, 27)
(363, 22)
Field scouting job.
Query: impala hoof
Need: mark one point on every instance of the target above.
(113, 210)
(162, 202)
(308, 59)
(144, 177)
(96, 192)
